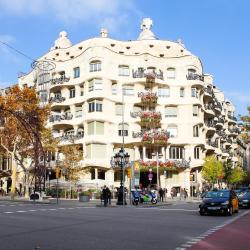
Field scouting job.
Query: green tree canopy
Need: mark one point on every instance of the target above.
(212, 170)
(237, 175)
(246, 126)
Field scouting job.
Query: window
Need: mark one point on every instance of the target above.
(125, 127)
(114, 88)
(43, 78)
(123, 70)
(95, 66)
(78, 112)
(95, 84)
(171, 73)
(95, 128)
(101, 174)
(197, 153)
(76, 72)
(72, 93)
(170, 111)
(194, 92)
(118, 109)
(195, 110)
(172, 130)
(96, 151)
(128, 90)
(176, 153)
(43, 96)
(196, 131)
(163, 92)
(95, 106)
(182, 92)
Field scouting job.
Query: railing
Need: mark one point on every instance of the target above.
(221, 133)
(54, 118)
(232, 117)
(57, 99)
(212, 143)
(147, 74)
(234, 130)
(193, 76)
(220, 121)
(208, 106)
(59, 80)
(210, 123)
(209, 91)
(69, 137)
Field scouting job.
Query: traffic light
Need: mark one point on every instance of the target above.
(129, 173)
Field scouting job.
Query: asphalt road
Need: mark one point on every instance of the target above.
(44, 226)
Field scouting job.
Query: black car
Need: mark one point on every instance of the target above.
(220, 201)
(244, 199)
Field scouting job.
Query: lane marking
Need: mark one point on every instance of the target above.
(8, 212)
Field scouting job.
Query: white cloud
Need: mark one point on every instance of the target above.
(107, 12)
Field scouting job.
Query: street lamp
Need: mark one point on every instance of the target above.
(121, 159)
(158, 156)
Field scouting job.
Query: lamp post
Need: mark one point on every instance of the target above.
(121, 159)
(158, 156)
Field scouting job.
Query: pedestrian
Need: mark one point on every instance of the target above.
(161, 193)
(181, 193)
(165, 193)
(105, 195)
(185, 193)
(109, 195)
(172, 192)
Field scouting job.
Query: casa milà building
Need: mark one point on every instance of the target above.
(153, 92)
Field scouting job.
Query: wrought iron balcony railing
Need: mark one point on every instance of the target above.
(145, 74)
(57, 99)
(194, 76)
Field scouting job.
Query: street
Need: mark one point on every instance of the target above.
(26, 226)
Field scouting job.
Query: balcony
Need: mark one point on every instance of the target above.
(57, 99)
(234, 130)
(147, 74)
(232, 117)
(70, 137)
(194, 76)
(208, 91)
(148, 97)
(60, 80)
(210, 124)
(212, 143)
(58, 118)
(220, 122)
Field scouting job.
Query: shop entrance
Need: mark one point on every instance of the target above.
(144, 181)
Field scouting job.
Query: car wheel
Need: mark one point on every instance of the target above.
(237, 210)
(202, 213)
(230, 213)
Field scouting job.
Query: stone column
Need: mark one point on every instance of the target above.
(143, 153)
(96, 173)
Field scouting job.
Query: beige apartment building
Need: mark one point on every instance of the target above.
(151, 91)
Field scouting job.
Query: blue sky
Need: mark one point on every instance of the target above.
(218, 31)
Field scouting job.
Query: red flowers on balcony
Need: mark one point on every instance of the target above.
(148, 117)
(159, 137)
(146, 165)
(148, 97)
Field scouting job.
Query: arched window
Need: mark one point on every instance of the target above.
(171, 73)
(125, 128)
(95, 66)
(172, 130)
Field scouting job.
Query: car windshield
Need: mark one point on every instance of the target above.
(217, 194)
(244, 194)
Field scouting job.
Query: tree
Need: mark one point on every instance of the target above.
(71, 162)
(237, 176)
(24, 119)
(212, 170)
(246, 126)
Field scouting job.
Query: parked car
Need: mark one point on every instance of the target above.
(220, 202)
(244, 199)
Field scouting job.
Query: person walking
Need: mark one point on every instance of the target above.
(109, 195)
(161, 193)
(185, 193)
(105, 195)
